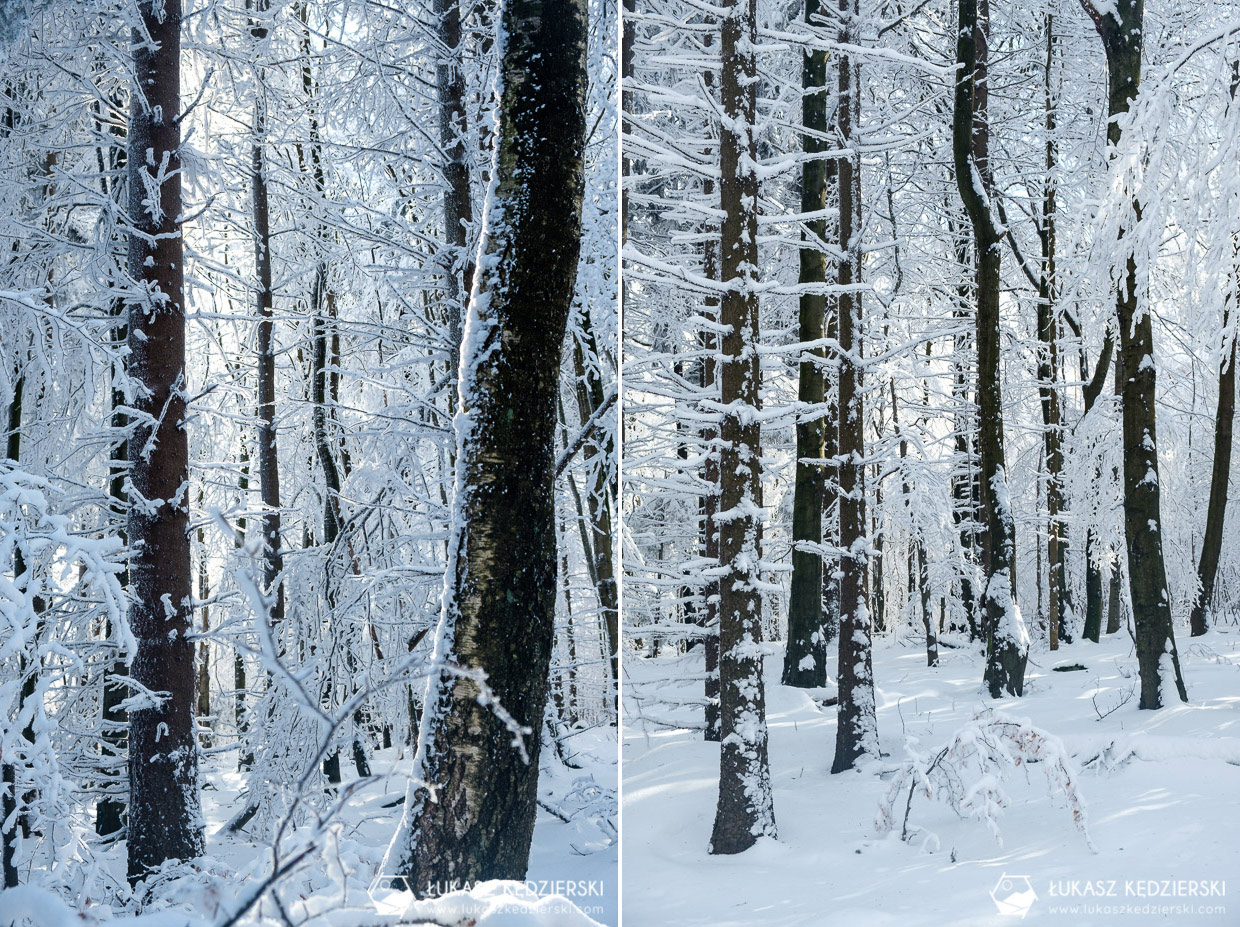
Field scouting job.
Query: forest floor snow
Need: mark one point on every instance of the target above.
(1163, 803)
(571, 881)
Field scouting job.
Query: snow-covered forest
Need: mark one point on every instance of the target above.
(931, 580)
(567, 462)
(309, 508)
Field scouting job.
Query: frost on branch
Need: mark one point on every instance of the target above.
(969, 772)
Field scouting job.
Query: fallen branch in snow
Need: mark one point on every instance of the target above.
(968, 772)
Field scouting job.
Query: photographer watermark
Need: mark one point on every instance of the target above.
(394, 894)
(1015, 895)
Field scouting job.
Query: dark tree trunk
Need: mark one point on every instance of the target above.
(499, 608)
(203, 705)
(1093, 572)
(857, 730)
(1006, 639)
(1220, 474)
(164, 817)
(918, 570)
(964, 509)
(805, 658)
(590, 400)
(268, 456)
(1057, 610)
(709, 382)
(457, 203)
(113, 740)
(245, 759)
(1121, 29)
(8, 771)
(744, 811)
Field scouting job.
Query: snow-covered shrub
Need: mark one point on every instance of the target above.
(969, 771)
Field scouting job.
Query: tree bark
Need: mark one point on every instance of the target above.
(1057, 610)
(599, 498)
(857, 728)
(1121, 29)
(165, 820)
(114, 721)
(744, 810)
(268, 456)
(457, 202)
(1007, 641)
(709, 382)
(805, 657)
(500, 588)
(1220, 475)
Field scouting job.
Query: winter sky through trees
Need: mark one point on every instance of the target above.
(568, 462)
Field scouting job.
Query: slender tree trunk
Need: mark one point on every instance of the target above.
(245, 758)
(1220, 474)
(500, 589)
(857, 729)
(457, 203)
(1093, 571)
(114, 723)
(805, 658)
(1007, 641)
(164, 817)
(964, 511)
(744, 811)
(1058, 612)
(8, 771)
(1121, 28)
(590, 399)
(709, 383)
(203, 706)
(268, 455)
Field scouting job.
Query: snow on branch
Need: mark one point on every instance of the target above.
(969, 771)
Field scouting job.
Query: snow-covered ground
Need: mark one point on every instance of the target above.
(1163, 802)
(571, 880)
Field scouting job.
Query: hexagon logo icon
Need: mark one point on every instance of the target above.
(390, 894)
(1014, 895)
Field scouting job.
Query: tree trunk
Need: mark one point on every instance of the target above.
(1007, 641)
(245, 759)
(1093, 572)
(114, 721)
(203, 706)
(744, 810)
(1220, 474)
(857, 729)
(590, 399)
(709, 383)
(268, 456)
(457, 203)
(500, 588)
(1121, 29)
(805, 658)
(1057, 612)
(964, 510)
(165, 821)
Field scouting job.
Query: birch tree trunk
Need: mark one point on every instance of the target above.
(500, 588)
(165, 820)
